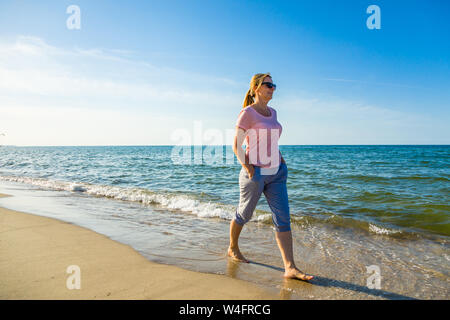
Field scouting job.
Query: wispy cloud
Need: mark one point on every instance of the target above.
(51, 95)
(31, 66)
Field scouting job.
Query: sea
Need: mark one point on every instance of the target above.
(369, 221)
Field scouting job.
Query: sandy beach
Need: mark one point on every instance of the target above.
(36, 252)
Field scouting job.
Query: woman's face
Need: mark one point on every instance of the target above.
(264, 92)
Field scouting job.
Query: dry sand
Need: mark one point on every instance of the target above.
(35, 252)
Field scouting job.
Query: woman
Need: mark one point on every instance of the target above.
(258, 176)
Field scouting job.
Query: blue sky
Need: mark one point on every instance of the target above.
(138, 72)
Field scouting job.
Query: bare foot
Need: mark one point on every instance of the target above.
(236, 255)
(295, 273)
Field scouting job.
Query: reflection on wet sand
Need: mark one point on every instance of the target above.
(310, 289)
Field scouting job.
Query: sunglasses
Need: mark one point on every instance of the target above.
(270, 85)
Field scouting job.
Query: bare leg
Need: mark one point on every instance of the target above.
(284, 240)
(233, 249)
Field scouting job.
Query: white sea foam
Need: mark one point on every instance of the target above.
(264, 217)
(185, 203)
(380, 230)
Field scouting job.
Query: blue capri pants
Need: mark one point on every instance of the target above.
(275, 191)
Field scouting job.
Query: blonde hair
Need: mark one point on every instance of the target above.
(255, 83)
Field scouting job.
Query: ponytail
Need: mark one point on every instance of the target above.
(248, 100)
(255, 83)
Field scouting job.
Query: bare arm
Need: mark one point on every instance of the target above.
(240, 153)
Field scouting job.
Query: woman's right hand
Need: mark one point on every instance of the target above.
(250, 170)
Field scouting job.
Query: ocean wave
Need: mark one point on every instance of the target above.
(365, 178)
(380, 196)
(169, 200)
(389, 180)
(423, 178)
(334, 220)
(379, 230)
(196, 204)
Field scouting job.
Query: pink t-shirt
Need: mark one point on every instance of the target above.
(262, 135)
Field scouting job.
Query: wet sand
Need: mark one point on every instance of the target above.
(36, 252)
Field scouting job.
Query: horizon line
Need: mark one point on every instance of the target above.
(197, 145)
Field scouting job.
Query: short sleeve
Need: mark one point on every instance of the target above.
(244, 120)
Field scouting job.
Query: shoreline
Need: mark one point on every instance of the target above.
(36, 252)
(177, 201)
